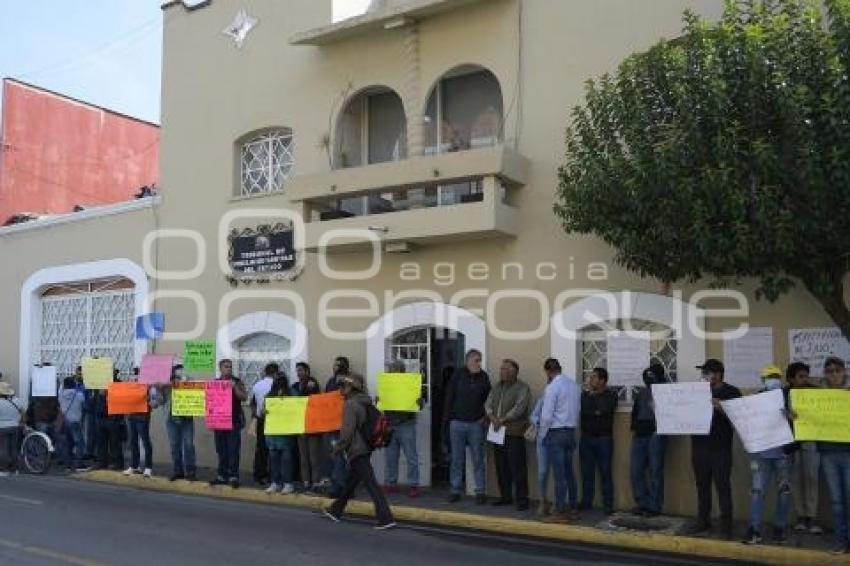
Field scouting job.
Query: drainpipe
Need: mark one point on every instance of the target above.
(415, 118)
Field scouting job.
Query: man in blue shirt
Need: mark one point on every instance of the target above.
(558, 420)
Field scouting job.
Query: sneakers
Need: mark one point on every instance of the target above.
(287, 489)
(454, 498)
(391, 488)
(753, 537)
(815, 530)
(4, 474)
(841, 548)
(234, 483)
(801, 527)
(148, 473)
(218, 481)
(413, 492)
(327, 513)
(82, 469)
(131, 470)
(273, 487)
(385, 526)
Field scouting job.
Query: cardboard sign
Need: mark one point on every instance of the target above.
(628, 356)
(814, 345)
(324, 412)
(744, 357)
(286, 415)
(399, 391)
(218, 405)
(822, 414)
(199, 356)
(43, 381)
(124, 398)
(189, 399)
(760, 420)
(97, 372)
(156, 368)
(682, 408)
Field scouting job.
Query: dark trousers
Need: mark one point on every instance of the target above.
(227, 446)
(360, 471)
(712, 465)
(110, 448)
(512, 469)
(261, 453)
(140, 430)
(10, 439)
(596, 452)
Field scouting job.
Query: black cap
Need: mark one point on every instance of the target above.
(713, 365)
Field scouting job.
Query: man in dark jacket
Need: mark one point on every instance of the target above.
(355, 445)
(596, 446)
(648, 448)
(465, 398)
(711, 454)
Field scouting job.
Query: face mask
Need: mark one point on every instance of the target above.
(772, 383)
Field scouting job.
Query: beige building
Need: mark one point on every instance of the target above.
(413, 152)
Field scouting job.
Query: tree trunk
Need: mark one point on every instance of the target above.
(836, 307)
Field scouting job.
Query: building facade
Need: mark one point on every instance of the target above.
(413, 153)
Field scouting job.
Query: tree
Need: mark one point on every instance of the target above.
(724, 153)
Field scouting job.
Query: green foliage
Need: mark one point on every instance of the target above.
(724, 153)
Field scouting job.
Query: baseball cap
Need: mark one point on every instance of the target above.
(713, 365)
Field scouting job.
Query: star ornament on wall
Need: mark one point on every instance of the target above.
(240, 27)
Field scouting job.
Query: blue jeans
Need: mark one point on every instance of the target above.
(765, 470)
(227, 446)
(140, 429)
(647, 471)
(560, 444)
(72, 447)
(337, 468)
(91, 436)
(181, 438)
(461, 435)
(403, 440)
(836, 470)
(543, 468)
(282, 461)
(596, 452)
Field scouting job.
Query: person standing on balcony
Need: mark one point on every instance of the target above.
(648, 448)
(711, 454)
(596, 447)
(507, 406)
(465, 398)
(558, 421)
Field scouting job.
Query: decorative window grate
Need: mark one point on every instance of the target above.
(88, 324)
(266, 162)
(254, 351)
(662, 349)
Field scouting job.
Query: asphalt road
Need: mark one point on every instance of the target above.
(53, 520)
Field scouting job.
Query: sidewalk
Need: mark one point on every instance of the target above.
(592, 528)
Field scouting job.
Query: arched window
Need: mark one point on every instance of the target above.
(256, 350)
(371, 128)
(464, 111)
(265, 161)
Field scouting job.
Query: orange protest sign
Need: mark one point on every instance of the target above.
(127, 398)
(324, 412)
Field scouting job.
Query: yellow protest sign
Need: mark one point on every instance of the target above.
(189, 399)
(822, 414)
(97, 372)
(399, 391)
(286, 415)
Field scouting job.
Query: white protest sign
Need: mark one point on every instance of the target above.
(44, 381)
(496, 437)
(744, 357)
(628, 356)
(760, 420)
(814, 345)
(682, 408)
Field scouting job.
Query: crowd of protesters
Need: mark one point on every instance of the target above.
(569, 417)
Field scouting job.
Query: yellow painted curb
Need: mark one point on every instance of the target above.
(648, 542)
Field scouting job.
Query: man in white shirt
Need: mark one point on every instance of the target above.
(558, 421)
(258, 400)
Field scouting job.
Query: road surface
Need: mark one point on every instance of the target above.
(53, 520)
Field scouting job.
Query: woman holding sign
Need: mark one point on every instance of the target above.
(280, 446)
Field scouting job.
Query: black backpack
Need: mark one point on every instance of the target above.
(376, 429)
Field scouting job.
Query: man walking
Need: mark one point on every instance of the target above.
(465, 398)
(558, 420)
(596, 447)
(355, 444)
(507, 406)
(711, 454)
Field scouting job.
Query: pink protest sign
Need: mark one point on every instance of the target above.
(219, 405)
(156, 368)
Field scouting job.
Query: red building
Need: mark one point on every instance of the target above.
(57, 152)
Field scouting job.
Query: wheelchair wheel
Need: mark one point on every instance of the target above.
(36, 453)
